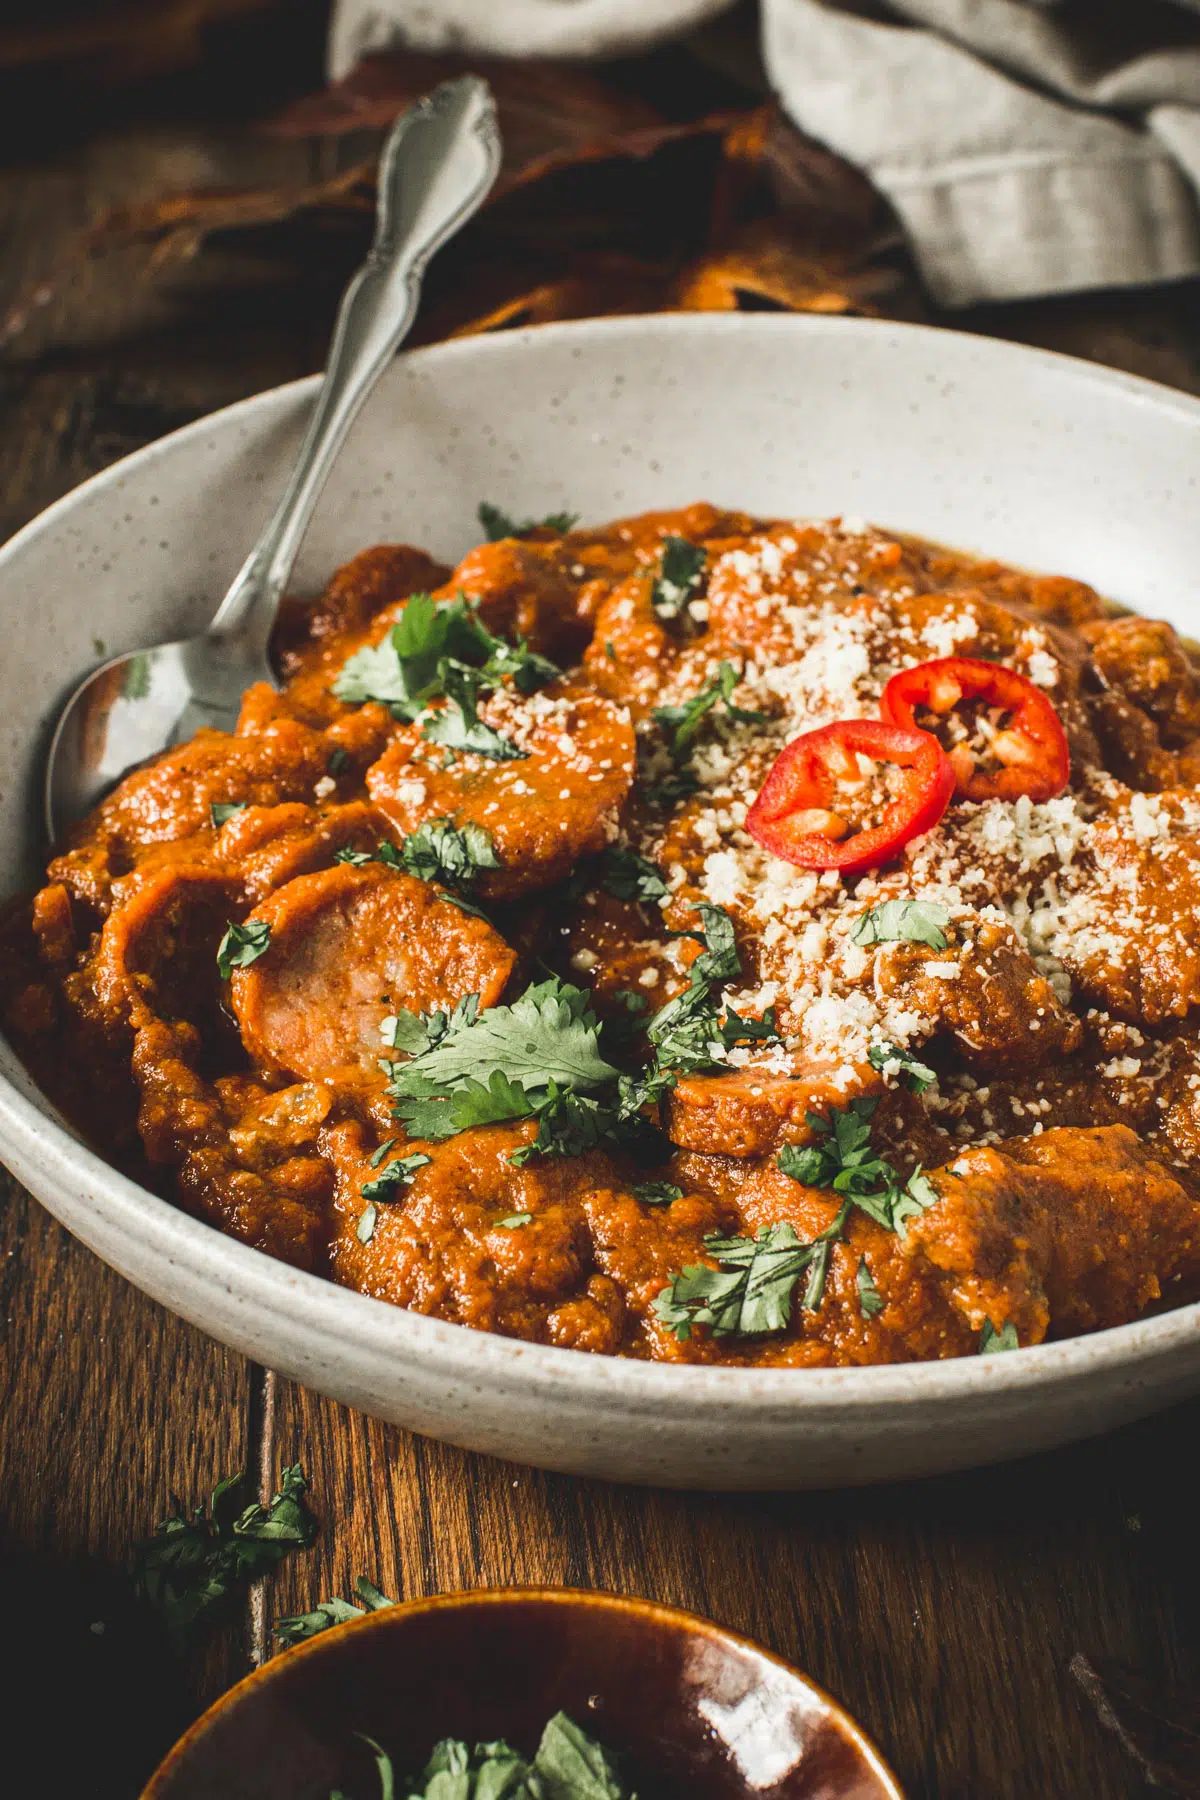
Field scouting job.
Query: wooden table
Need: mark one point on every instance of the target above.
(944, 1613)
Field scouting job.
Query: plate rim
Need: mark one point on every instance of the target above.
(269, 1286)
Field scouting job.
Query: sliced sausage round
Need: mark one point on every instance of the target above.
(347, 947)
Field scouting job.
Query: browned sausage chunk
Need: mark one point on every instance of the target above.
(347, 946)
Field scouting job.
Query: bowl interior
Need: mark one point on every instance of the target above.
(690, 1710)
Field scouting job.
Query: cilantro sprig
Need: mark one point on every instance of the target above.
(498, 524)
(842, 1158)
(750, 1292)
(992, 1341)
(627, 876)
(689, 1034)
(327, 1613)
(681, 725)
(440, 852)
(900, 921)
(195, 1565)
(680, 574)
(242, 945)
(442, 651)
(885, 1057)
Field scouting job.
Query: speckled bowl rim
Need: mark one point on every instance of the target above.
(271, 1287)
(593, 1599)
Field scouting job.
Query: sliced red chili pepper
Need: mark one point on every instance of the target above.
(1026, 740)
(799, 812)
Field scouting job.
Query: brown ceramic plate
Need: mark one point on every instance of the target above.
(690, 1710)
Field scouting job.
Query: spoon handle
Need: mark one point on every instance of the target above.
(436, 169)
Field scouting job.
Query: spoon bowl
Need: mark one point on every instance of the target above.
(436, 169)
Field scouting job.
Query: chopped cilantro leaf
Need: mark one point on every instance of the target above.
(458, 726)
(918, 1075)
(441, 650)
(195, 1565)
(395, 1175)
(356, 858)
(680, 572)
(339, 762)
(434, 1110)
(549, 1035)
(750, 1290)
(242, 945)
(657, 1193)
(681, 784)
(627, 876)
(440, 851)
(514, 1221)
(870, 1301)
(331, 1612)
(899, 921)
(364, 1231)
(681, 725)
(221, 810)
(841, 1158)
(992, 1341)
(499, 524)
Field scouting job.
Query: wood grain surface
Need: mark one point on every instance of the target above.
(944, 1614)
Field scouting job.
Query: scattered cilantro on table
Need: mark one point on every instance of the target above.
(327, 1613)
(195, 1565)
(899, 921)
(499, 524)
(242, 945)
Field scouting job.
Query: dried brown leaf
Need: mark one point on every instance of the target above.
(766, 270)
(172, 229)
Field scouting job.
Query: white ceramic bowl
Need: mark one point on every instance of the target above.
(1026, 456)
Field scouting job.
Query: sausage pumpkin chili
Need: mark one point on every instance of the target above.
(702, 938)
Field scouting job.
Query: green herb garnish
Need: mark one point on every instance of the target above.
(657, 1193)
(499, 524)
(221, 810)
(842, 1159)
(195, 1566)
(750, 1291)
(396, 1175)
(441, 851)
(898, 921)
(680, 725)
(357, 859)
(364, 1231)
(870, 1301)
(918, 1075)
(680, 573)
(443, 651)
(991, 1341)
(327, 1613)
(514, 1221)
(242, 945)
(627, 876)
(507, 1062)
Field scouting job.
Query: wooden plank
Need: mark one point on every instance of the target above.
(108, 1406)
(944, 1613)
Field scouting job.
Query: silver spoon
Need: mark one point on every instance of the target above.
(437, 167)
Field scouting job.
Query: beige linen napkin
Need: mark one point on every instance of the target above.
(1028, 147)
